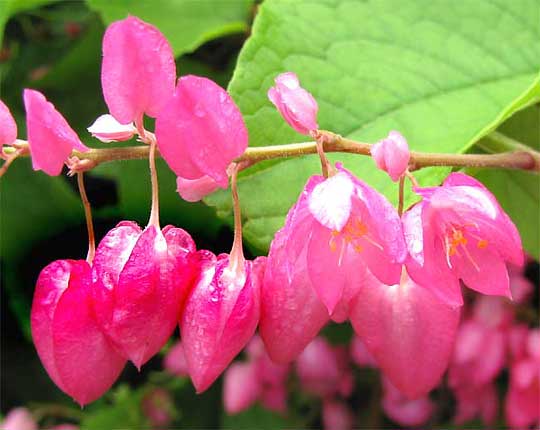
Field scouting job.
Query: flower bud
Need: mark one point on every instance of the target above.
(8, 126)
(107, 129)
(296, 105)
(392, 155)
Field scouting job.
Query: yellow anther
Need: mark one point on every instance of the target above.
(482, 244)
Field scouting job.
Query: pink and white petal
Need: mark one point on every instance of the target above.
(194, 190)
(8, 126)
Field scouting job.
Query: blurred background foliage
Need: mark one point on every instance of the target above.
(445, 74)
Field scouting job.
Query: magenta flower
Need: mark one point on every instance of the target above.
(241, 387)
(296, 105)
(75, 353)
(291, 312)
(407, 330)
(459, 231)
(175, 360)
(220, 316)
(141, 281)
(392, 155)
(50, 138)
(138, 70)
(199, 132)
(8, 126)
(404, 411)
(107, 129)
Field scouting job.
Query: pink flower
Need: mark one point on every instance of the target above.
(19, 419)
(336, 415)
(50, 137)
(175, 360)
(8, 126)
(404, 411)
(473, 401)
(296, 105)
(459, 231)
(291, 312)
(523, 398)
(76, 354)
(220, 316)
(346, 226)
(408, 332)
(107, 129)
(360, 354)
(141, 281)
(392, 155)
(158, 406)
(138, 70)
(199, 132)
(241, 387)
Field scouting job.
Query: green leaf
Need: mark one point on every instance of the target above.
(187, 24)
(259, 418)
(442, 75)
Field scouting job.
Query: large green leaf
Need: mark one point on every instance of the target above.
(186, 23)
(442, 73)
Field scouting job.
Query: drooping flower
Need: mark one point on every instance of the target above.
(459, 231)
(141, 281)
(175, 360)
(407, 330)
(138, 71)
(476, 401)
(107, 129)
(296, 105)
(8, 126)
(241, 387)
(76, 354)
(50, 137)
(392, 155)
(221, 315)
(199, 132)
(404, 411)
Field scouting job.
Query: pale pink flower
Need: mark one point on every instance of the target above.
(75, 353)
(8, 126)
(193, 190)
(336, 415)
(459, 231)
(199, 132)
(296, 105)
(107, 129)
(404, 411)
(175, 360)
(138, 72)
(522, 403)
(19, 419)
(392, 155)
(360, 354)
(241, 387)
(407, 331)
(141, 281)
(476, 401)
(220, 316)
(50, 138)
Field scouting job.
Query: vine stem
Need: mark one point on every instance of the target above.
(401, 194)
(154, 211)
(88, 216)
(519, 159)
(236, 259)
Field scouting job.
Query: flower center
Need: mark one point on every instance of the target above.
(456, 240)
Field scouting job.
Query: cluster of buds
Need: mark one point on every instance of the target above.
(344, 253)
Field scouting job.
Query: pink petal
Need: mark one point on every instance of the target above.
(50, 137)
(107, 129)
(330, 201)
(408, 331)
(473, 401)
(8, 126)
(274, 398)
(219, 318)
(406, 412)
(291, 312)
(138, 70)
(19, 419)
(392, 155)
(336, 416)
(360, 355)
(175, 360)
(200, 130)
(70, 344)
(193, 190)
(241, 387)
(521, 407)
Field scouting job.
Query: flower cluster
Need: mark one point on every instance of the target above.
(344, 253)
